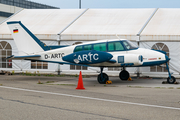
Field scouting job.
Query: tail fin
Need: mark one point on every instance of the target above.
(26, 42)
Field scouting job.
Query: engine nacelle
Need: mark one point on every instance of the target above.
(88, 57)
(129, 59)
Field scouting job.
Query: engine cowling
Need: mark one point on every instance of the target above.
(88, 57)
(129, 59)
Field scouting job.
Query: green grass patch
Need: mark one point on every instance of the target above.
(157, 87)
(34, 74)
(63, 84)
(170, 87)
(135, 86)
(50, 82)
(160, 87)
(39, 82)
(13, 72)
(67, 84)
(27, 73)
(139, 87)
(22, 73)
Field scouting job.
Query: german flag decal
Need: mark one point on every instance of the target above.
(15, 31)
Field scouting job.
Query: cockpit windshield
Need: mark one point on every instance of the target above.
(129, 45)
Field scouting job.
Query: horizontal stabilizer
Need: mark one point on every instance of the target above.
(23, 57)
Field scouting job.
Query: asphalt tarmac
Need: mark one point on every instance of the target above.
(56, 98)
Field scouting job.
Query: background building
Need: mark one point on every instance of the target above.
(149, 28)
(9, 7)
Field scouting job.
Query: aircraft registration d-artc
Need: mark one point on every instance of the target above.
(102, 53)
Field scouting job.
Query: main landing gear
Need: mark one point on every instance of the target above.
(124, 75)
(103, 77)
(170, 79)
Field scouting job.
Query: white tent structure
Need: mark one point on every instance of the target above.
(150, 28)
(163, 32)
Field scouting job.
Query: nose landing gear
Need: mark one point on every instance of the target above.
(170, 79)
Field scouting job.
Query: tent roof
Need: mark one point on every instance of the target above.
(95, 24)
(44, 23)
(106, 23)
(164, 25)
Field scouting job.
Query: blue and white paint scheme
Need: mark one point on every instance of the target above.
(102, 53)
(88, 57)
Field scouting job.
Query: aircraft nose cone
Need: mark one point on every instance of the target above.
(167, 58)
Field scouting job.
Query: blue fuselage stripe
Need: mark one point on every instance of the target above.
(153, 63)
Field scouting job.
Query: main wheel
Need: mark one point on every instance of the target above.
(103, 79)
(172, 80)
(124, 75)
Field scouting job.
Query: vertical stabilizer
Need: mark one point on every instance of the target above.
(26, 42)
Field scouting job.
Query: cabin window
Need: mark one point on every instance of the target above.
(100, 47)
(5, 51)
(115, 46)
(87, 47)
(78, 48)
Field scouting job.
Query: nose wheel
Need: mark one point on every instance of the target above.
(170, 79)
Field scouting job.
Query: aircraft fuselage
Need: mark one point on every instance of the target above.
(134, 57)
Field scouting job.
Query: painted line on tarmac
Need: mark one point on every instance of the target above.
(91, 98)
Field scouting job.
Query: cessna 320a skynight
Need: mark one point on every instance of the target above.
(103, 53)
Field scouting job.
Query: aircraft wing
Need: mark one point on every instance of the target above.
(23, 57)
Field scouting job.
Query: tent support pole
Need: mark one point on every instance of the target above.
(138, 68)
(59, 69)
(139, 35)
(59, 34)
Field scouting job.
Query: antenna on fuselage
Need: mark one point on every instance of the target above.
(117, 36)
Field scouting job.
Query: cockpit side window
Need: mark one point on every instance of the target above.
(129, 45)
(100, 47)
(115, 46)
(78, 48)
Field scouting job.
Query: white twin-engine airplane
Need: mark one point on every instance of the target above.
(103, 53)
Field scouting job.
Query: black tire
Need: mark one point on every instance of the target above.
(124, 75)
(172, 80)
(104, 79)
